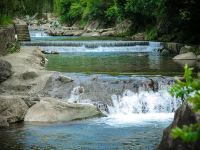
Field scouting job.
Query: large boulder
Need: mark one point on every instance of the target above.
(189, 62)
(5, 70)
(12, 108)
(54, 110)
(186, 56)
(183, 116)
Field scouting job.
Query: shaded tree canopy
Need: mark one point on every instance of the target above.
(165, 20)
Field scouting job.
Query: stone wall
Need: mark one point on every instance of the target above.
(7, 36)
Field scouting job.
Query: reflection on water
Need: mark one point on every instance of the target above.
(98, 134)
(113, 62)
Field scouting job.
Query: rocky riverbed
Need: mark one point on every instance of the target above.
(23, 76)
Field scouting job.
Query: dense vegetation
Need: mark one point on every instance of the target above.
(165, 20)
(13, 8)
(188, 91)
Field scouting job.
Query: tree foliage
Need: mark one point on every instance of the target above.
(164, 20)
(189, 91)
(13, 8)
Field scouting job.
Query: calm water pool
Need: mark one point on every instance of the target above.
(114, 62)
(92, 134)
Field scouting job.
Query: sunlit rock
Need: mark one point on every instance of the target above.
(54, 110)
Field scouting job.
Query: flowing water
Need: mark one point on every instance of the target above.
(138, 108)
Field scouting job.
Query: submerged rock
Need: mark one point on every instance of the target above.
(12, 108)
(183, 116)
(186, 56)
(5, 70)
(54, 110)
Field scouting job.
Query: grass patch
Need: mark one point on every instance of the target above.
(13, 47)
(5, 20)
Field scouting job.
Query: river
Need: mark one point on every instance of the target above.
(123, 78)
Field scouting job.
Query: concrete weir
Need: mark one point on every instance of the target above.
(89, 44)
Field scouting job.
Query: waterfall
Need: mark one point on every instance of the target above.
(143, 102)
(141, 108)
(38, 34)
(132, 96)
(88, 44)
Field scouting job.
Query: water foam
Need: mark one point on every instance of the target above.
(143, 102)
(141, 108)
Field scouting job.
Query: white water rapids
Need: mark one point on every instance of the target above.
(136, 108)
(145, 107)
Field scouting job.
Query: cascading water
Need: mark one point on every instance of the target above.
(132, 106)
(143, 102)
(138, 108)
(38, 34)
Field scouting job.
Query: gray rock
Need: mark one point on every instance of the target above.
(54, 110)
(186, 56)
(190, 63)
(5, 70)
(64, 79)
(138, 37)
(3, 122)
(93, 34)
(30, 101)
(165, 52)
(183, 116)
(13, 108)
(108, 33)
